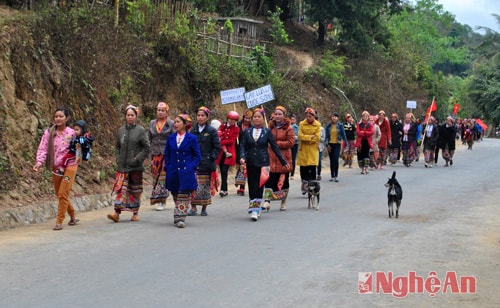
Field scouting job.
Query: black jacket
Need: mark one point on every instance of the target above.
(209, 143)
(397, 133)
(254, 152)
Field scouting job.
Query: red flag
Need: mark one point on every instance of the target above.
(433, 107)
(456, 108)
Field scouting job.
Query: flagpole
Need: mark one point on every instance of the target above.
(427, 123)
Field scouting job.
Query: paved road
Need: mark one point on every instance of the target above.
(298, 258)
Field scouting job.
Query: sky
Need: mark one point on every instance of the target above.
(474, 12)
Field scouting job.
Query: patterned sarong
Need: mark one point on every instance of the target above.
(128, 189)
(203, 195)
(159, 194)
(182, 205)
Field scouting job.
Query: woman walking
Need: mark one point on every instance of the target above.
(350, 145)
(53, 147)
(228, 134)
(309, 138)
(448, 141)
(364, 142)
(335, 135)
(431, 136)
(408, 140)
(159, 130)
(255, 156)
(182, 156)
(245, 123)
(131, 149)
(375, 151)
(277, 186)
(385, 138)
(206, 175)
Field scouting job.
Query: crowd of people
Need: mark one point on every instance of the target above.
(186, 159)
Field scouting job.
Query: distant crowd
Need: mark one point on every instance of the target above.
(191, 161)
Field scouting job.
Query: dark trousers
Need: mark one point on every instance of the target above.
(224, 169)
(254, 191)
(334, 155)
(295, 150)
(308, 173)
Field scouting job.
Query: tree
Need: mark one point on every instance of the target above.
(484, 89)
(361, 22)
(489, 48)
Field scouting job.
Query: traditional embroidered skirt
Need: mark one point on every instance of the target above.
(348, 152)
(393, 155)
(364, 154)
(203, 195)
(276, 187)
(128, 189)
(407, 148)
(182, 205)
(159, 194)
(447, 154)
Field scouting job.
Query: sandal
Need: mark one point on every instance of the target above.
(73, 221)
(57, 227)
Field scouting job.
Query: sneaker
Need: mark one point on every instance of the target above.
(254, 216)
(160, 207)
(57, 227)
(336, 180)
(222, 194)
(331, 179)
(180, 224)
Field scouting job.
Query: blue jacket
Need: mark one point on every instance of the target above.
(181, 163)
(340, 133)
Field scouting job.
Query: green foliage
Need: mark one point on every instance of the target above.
(277, 31)
(138, 11)
(330, 69)
(228, 25)
(484, 89)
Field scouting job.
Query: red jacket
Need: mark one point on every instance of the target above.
(364, 131)
(228, 136)
(385, 129)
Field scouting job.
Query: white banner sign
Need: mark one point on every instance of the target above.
(232, 96)
(411, 104)
(259, 96)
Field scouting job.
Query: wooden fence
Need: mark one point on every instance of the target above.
(233, 46)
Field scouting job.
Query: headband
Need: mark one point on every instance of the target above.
(205, 110)
(311, 111)
(134, 109)
(281, 108)
(164, 105)
(260, 110)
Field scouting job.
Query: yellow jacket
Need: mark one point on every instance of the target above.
(309, 137)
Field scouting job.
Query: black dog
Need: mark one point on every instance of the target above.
(313, 189)
(394, 195)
